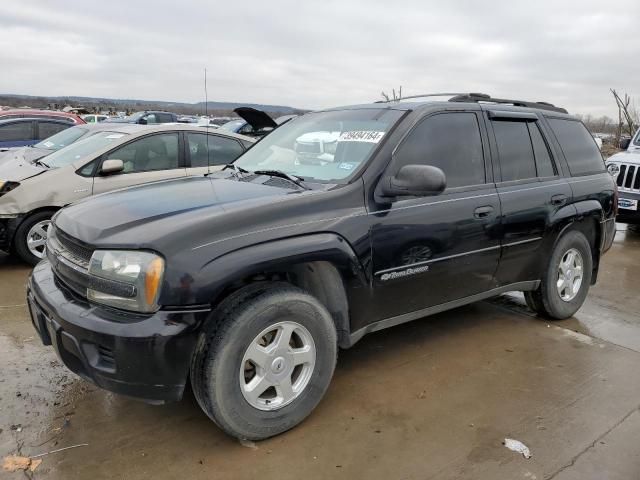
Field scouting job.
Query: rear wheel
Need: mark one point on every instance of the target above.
(264, 361)
(31, 237)
(566, 282)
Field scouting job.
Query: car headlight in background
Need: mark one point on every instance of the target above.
(130, 280)
(614, 170)
(6, 187)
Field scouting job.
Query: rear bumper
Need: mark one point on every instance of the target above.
(147, 357)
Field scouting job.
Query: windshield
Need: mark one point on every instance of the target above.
(68, 155)
(324, 146)
(62, 139)
(232, 125)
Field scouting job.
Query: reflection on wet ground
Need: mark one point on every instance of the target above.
(430, 399)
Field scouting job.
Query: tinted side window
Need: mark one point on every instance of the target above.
(46, 129)
(155, 152)
(449, 141)
(544, 163)
(164, 117)
(212, 151)
(151, 119)
(514, 150)
(16, 131)
(577, 144)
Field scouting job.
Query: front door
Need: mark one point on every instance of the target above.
(147, 159)
(432, 250)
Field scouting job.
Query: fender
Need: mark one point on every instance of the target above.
(276, 256)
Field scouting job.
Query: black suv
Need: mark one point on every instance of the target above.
(247, 281)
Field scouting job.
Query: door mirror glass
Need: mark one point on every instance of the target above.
(111, 166)
(415, 181)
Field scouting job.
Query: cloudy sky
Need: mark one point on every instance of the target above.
(324, 53)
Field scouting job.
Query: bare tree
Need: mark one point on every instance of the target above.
(395, 98)
(627, 115)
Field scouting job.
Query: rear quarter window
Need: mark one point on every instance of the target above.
(578, 146)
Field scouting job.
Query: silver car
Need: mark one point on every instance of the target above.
(125, 155)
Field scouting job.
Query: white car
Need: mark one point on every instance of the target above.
(94, 118)
(624, 167)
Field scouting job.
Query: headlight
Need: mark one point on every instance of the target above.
(614, 170)
(130, 280)
(6, 187)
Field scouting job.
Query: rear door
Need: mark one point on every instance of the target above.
(146, 159)
(531, 189)
(17, 133)
(208, 152)
(432, 250)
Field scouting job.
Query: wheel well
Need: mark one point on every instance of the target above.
(591, 228)
(31, 213)
(320, 279)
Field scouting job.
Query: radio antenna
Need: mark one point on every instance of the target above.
(206, 114)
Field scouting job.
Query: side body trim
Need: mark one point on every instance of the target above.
(408, 317)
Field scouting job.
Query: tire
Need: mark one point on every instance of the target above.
(221, 372)
(20, 241)
(547, 300)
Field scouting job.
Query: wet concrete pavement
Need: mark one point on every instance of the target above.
(430, 399)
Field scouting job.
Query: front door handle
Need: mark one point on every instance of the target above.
(559, 199)
(483, 212)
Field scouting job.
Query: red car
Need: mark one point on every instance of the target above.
(34, 113)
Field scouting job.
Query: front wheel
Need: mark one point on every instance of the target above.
(566, 281)
(264, 360)
(31, 237)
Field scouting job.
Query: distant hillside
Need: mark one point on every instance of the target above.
(97, 103)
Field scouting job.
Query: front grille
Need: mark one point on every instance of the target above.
(629, 178)
(74, 246)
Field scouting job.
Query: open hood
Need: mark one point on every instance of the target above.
(258, 119)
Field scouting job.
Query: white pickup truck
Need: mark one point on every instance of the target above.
(624, 167)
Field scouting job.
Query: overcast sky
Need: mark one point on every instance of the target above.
(325, 53)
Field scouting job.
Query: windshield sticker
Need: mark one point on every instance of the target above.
(48, 144)
(114, 136)
(361, 136)
(346, 166)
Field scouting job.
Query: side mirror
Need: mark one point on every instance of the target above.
(415, 181)
(142, 121)
(624, 143)
(111, 166)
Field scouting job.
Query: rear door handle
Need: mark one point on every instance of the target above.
(483, 212)
(559, 199)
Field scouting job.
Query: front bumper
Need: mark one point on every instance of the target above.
(8, 227)
(147, 357)
(627, 215)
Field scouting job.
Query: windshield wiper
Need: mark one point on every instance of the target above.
(41, 163)
(235, 168)
(279, 173)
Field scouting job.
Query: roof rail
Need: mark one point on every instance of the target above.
(481, 97)
(424, 95)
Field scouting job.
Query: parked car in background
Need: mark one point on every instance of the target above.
(253, 122)
(147, 117)
(51, 144)
(245, 283)
(624, 167)
(19, 132)
(34, 113)
(123, 156)
(94, 118)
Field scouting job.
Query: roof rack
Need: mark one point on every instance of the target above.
(424, 95)
(482, 97)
